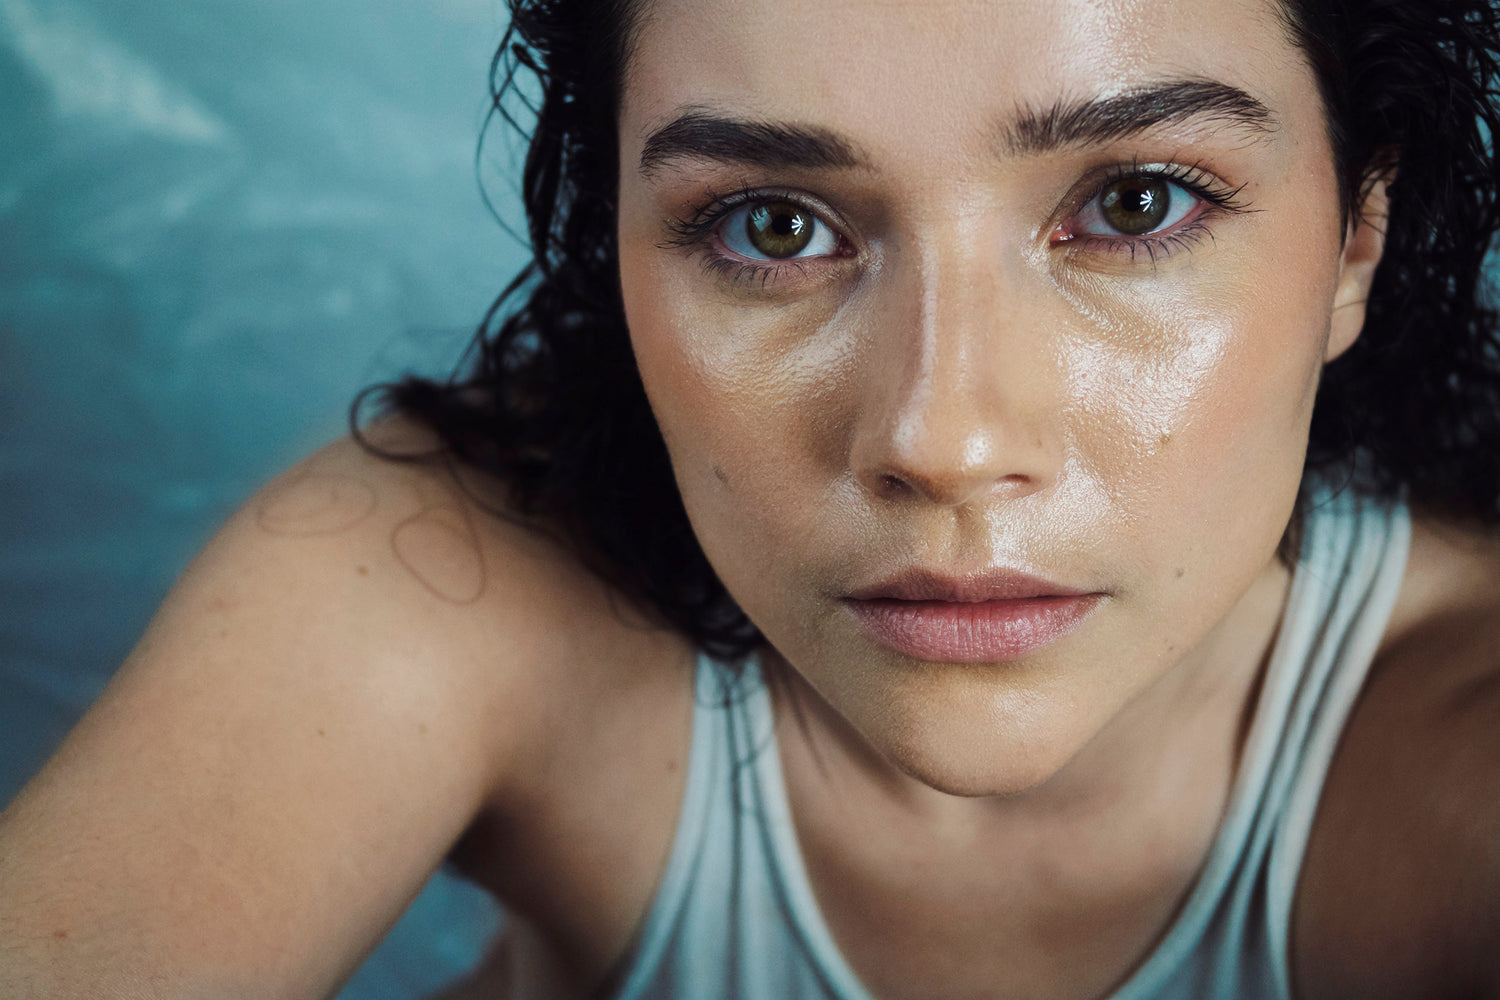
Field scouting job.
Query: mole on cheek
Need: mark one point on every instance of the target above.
(439, 547)
(721, 475)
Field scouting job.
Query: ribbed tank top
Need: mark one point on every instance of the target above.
(735, 916)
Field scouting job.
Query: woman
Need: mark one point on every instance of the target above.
(1089, 408)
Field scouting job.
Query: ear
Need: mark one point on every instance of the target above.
(1364, 242)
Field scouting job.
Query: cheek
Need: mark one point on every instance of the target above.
(747, 399)
(1192, 399)
(1184, 383)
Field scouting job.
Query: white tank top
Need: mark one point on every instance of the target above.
(735, 917)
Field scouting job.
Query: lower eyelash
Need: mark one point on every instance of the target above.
(744, 273)
(1160, 245)
(696, 235)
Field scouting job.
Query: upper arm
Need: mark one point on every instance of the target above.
(316, 713)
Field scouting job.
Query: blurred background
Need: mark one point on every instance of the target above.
(218, 222)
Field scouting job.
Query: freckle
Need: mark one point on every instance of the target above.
(364, 571)
(60, 935)
(321, 733)
(422, 728)
(671, 767)
(224, 633)
(721, 475)
(1180, 572)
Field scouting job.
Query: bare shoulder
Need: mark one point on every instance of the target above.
(364, 660)
(419, 575)
(1400, 889)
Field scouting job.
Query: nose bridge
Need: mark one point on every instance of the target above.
(953, 407)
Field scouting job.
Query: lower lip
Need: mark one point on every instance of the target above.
(978, 632)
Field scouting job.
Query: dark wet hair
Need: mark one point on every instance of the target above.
(549, 399)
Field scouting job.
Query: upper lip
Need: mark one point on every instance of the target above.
(998, 584)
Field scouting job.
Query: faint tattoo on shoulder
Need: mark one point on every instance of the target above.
(315, 504)
(439, 546)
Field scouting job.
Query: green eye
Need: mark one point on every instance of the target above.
(1136, 205)
(779, 229)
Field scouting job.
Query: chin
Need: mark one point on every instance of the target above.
(1006, 744)
(978, 775)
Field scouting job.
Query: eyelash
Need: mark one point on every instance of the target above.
(1217, 198)
(697, 234)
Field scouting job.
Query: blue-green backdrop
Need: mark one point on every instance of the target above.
(218, 220)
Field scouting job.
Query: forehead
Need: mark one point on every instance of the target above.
(918, 70)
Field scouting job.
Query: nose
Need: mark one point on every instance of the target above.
(958, 402)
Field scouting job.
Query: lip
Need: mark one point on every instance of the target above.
(989, 617)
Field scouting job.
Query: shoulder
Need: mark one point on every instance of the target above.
(1400, 888)
(569, 703)
(364, 660)
(423, 568)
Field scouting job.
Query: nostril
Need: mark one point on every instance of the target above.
(894, 486)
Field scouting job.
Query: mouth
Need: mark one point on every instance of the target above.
(991, 617)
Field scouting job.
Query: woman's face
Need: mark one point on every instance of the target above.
(984, 336)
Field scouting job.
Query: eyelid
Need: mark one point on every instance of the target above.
(1092, 210)
(1192, 177)
(1213, 194)
(739, 242)
(717, 207)
(699, 232)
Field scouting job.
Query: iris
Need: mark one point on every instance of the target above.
(1136, 205)
(779, 229)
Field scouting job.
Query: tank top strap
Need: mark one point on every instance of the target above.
(1230, 940)
(734, 914)
(1358, 561)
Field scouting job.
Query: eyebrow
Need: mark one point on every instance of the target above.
(1100, 120)
(700, 133)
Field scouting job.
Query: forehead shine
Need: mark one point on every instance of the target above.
(847, 84)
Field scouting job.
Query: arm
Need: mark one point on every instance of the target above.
(312, 719)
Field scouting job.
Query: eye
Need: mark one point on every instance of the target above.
(1137, 205)
(777, 230)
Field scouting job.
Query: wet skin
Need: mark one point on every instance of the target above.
(969, 368)
(961, 369)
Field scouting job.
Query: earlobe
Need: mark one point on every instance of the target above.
(1364, 244)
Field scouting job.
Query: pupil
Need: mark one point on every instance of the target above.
(1138, 201)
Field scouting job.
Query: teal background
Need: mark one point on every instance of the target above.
(218, 221)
